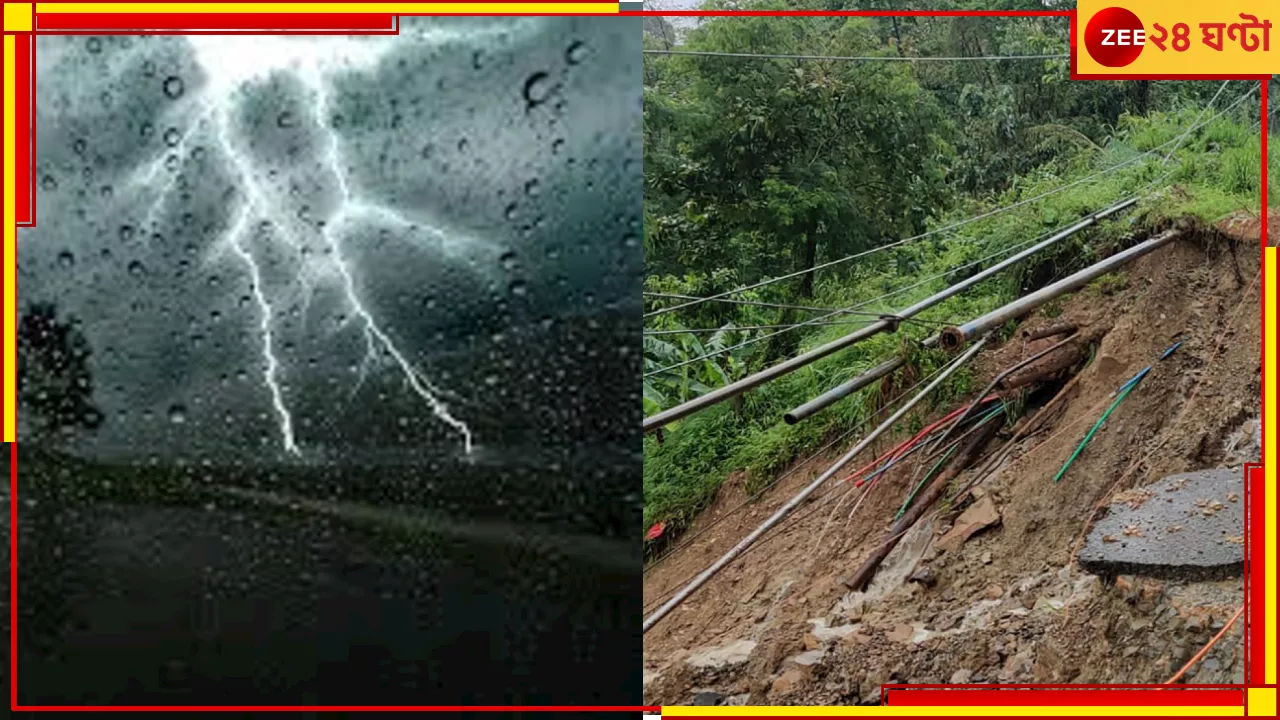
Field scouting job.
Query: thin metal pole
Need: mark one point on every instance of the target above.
(954, 338)
(719, 395)
(794, 502)
(842, 390)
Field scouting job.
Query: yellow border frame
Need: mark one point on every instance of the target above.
(974, 711)
(563, 8)
(10, 238)
(1269, 393)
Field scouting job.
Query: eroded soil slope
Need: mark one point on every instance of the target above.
(1009, 604)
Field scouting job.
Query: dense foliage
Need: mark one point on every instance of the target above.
(55, 384)
(757, 168)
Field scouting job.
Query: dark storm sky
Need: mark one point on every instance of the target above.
(492, 179)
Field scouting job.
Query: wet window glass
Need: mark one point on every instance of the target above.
(328, 351)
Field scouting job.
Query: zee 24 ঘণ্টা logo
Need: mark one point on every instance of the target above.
(1115, 37)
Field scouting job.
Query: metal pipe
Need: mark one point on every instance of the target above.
(733, 389)
(835, 394)
(794, 502)
(842, 390)
(720, 394)
(954, 338)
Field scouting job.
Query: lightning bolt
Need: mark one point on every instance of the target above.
(232, 63)
(374, 335)
(234, 234)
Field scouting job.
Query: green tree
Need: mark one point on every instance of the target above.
(772, 166)
(55, 384)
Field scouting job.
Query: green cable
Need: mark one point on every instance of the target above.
(1123, 394)
(906, 503)
(990, 414)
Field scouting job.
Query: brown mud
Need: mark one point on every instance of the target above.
(1009, 604)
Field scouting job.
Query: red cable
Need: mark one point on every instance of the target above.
(906, 445)
(1205, 650)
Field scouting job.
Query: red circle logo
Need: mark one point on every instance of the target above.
(1114, 37)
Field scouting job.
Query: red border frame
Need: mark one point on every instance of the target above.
(851, 13)
(317, 24)
(25, 117)
(1254, 637)
(183, 24)
(216, 23)
(1057, 695)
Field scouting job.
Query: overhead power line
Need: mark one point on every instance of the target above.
(888, 324)
(674, 296)
(1187, 133)
(857, 58)
(905, 317)
(741, 328)
(810, 308)
(691, 406)
(719, 394)
(852, 309)
(958, 224)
